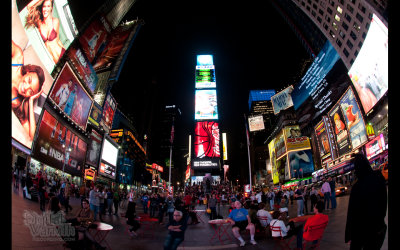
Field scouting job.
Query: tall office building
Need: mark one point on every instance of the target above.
(207, 153)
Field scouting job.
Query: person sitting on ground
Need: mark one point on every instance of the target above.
(176, 234)
(240, 220)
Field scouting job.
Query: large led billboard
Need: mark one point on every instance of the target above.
(375, 147)
(110, 105)
(209, 163)
(224, 147)
(272, 157)
(353, 119)
(325, 140)
(50, 28)
(294, 140)
(256, 123)
(282, 100)
(206, 140)
(71, 97)
(30, 83)
(60, 148)
(369, 72)
(310, 84)
(341, 134)
(94, 148)
(109, 152)
(204, 60)
(206, 107)
(301, 163)
(205, 77)
(280, 145)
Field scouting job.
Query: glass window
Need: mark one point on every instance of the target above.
(342, 34)
(339, 9)
(332, 33)
(345, 26)
(361, 7)
(359, 18)
(349, 44)
(339, 43)
(348, 18)
(350, 8)
(329, 10)
(353, 35)
(345, 52)
(334, 25)
(337, 18)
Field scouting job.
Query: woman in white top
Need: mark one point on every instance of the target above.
(262, 212)
(278, 222)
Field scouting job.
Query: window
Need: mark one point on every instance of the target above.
(329, 10)
(328, 19)
(354, 36)
(337, 18)
(313, 13)
(356, 53)
(360, 44)
(348, 18)
(342, 34)
(359, 18)
(339, 43)
(334, 25)
(350, 8)
(364, 35)
(339, 9)
(362, 8)
(356, 27)
(332, 34)
(326, 26)
(349, 44)
(351, 61)
(345, 52)
(321, 12)
(303, 4)
(308, 7)
(319, 19)
(367, 26)
(315, 7)
(345, 26)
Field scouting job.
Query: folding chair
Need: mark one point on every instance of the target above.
(318, 231)
(281, 241)
(265, 228)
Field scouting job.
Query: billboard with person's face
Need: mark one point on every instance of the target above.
(340, 132)
(58, 146)
(70, 97)
(30, 83)
(94, 148)
(50, 28)
(325, 140)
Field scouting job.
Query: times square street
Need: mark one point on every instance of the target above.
(196, 236)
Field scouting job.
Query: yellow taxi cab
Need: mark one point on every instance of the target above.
(340, 189)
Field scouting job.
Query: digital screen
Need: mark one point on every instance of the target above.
(50, 28)
(341, 134)
(325, 141)
(26, 64)
(206, 105)
(108, 110)
(204, 60)
(109, 152)
(369, 72)
(294, 139)
(69, 95)
(94, 147)
(224, 147)
(312, 82)
(95, 114)
(375, 147)
(206, 140)
(353, 119)
(272, 157)
(205, 77)
(57, 146)
(256, 123)
(211, 163)
(94, 37)
(107, 170)
(301, 163)
(282, 100)
(280, 147)
(83, 68)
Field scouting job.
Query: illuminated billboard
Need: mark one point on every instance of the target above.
(353, 119)
(280, 146)
(50, 28)
(312, 83)
(109, 152)
(93, 153)
(206, 140)
(94, 37)
(256, 123)
(325, 140)
(341, 134)
(375, 147)
(206, 105)
(224, 147)
(82, 67)
(110, 105)
(60, 148)
(71, 97)
(107, 170)
(301, 163)
(205, 77)
(204, 60)
(294, 140)
(282, 100)
(369, 72)
(272, 157)
(211, 163)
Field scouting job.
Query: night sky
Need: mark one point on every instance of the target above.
(253, 48)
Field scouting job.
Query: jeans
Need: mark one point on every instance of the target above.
(213, 214)
(333, 200)
(160, 215)
(326, 200)
(109, 206)
(300, 207)
(271, 204)
(153, 210)
(95, 210)
(145, 208)
(42, 201)
(172, 243)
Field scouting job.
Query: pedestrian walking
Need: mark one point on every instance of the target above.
(145, 200)
(332, 184)
(116, 200)
(367, 203)
(41, 191)
(153, 205)
(326, 190)
(94, 201)
(313, 197)
(169, 202)
(271, 198)
(101, 203)
(161, 208)
(212, 205)
(110, 198)
(299, 197)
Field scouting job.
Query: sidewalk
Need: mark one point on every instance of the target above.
(196, 236)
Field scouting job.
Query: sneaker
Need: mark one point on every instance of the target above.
(253, 242)
(242, 244)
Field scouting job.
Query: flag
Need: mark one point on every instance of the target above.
(172, 133)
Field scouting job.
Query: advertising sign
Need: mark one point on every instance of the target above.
(26, 64)
(205, 60)
(325, 141)
(375, 147)
(60, 148)
(50, 28)
(107, 170)
(369, 72)
(69, 95)
(205, 77)
(310, 86)
(206, 140)
(110, 105)
(353, 119)
(94, 37)
(341, 134)
(272, 157)
(256, 123)
(90, 174)
(224, 147)
(280, 147)
(210, 163)
(113, 48)
(294, 139)
(282, 100)
(93, 153)
(109, 152)
(301, 163)
(206, 105)
(95, 114)
(83, 67)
